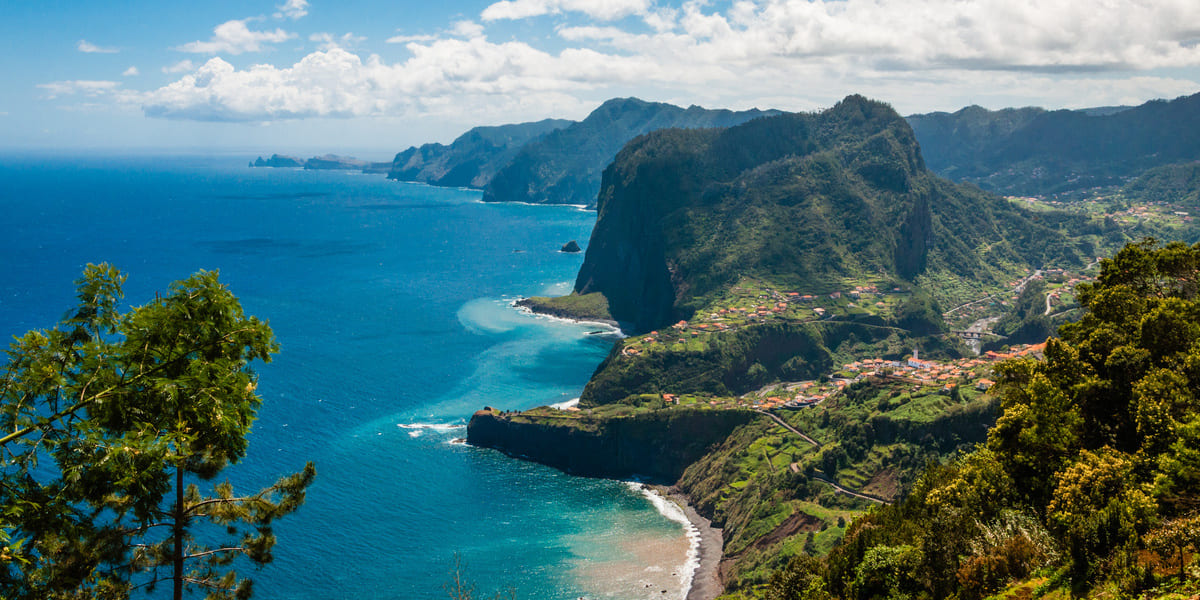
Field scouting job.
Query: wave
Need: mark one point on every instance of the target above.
(416, 429)
(605, 328)
(573, 402)
(674, 512)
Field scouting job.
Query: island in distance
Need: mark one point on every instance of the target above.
(328, 162)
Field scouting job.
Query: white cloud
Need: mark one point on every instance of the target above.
(790, 54)
(328, 41)
(292, 9)
(234, 37)
(605, 10)
(90, 48)
(131, 72)
(83, 87)
(447, 77)
(182, 66)
(467, 29)
(404, 39)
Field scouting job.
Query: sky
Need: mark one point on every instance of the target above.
(370, 78)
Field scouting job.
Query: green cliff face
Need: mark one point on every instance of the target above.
(807, 201)
(472, 159)
(1032, 151)
(565, 166)
(658, 444)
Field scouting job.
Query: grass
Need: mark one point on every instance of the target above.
(585, 307)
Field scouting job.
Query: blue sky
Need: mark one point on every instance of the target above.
(372, 77)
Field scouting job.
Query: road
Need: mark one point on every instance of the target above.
(795, 467)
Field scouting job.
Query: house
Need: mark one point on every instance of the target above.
(983, 384)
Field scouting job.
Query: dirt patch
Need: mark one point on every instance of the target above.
(884, 484)
(797, 523)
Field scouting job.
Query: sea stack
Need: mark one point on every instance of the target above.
(571, 246)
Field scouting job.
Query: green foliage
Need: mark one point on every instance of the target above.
(1091, 465)
(564, 166)
(588, 307)
(807, 201)
(1177, 184)
(112, 415)
(473, 158)
(1033, 151)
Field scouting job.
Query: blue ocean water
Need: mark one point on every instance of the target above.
(391, 304)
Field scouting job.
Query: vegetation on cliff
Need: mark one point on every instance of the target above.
(1034, 152)
(1089, 480)
(582, 307)
(564, 166)
(806, 201)
(472, 159)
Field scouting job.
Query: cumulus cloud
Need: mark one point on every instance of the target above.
(90, 48)
(789, 54)
(327, 41)
(606, 10)
(131, 72)
(1025, 35)
(182, 66)
(292, 9)
(449, 76)
(91, 88)
(467, 29)
(234, 37)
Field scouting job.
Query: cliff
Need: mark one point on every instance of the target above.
(565, 166)
(470, 160)
(656, 444)
(807, 201)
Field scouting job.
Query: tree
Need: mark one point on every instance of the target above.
(114, 419)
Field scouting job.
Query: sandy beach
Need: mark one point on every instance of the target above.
(706, 582)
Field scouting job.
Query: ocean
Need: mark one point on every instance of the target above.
(392, 305)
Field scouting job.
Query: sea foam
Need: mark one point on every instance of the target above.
(674, 512)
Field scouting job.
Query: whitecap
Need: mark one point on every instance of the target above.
(565, 405)
(674, 512)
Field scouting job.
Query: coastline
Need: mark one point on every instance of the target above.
(707, 544)
(608, 324)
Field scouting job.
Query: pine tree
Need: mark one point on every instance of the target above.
(115, 419)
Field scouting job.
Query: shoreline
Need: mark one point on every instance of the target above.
(613, 326)
(709, 546)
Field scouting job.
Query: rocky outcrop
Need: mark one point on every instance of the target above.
(654, 444)
(571, 247)
(278, 160)
(805, 200)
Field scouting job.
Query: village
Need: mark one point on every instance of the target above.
(924, 377)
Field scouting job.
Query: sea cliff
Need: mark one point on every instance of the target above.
(657, 445)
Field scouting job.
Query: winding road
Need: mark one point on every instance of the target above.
(795, 467)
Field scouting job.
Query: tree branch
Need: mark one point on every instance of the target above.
(210, 552)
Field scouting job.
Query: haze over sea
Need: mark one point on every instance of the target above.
(391, 304)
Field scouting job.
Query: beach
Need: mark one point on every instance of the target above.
(706, 580)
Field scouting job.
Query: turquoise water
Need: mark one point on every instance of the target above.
(391, 304)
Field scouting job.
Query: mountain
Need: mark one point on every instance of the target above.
(1176, 183)
(473, 158)
(564, 166)
(1031, 151)
(807, 201)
